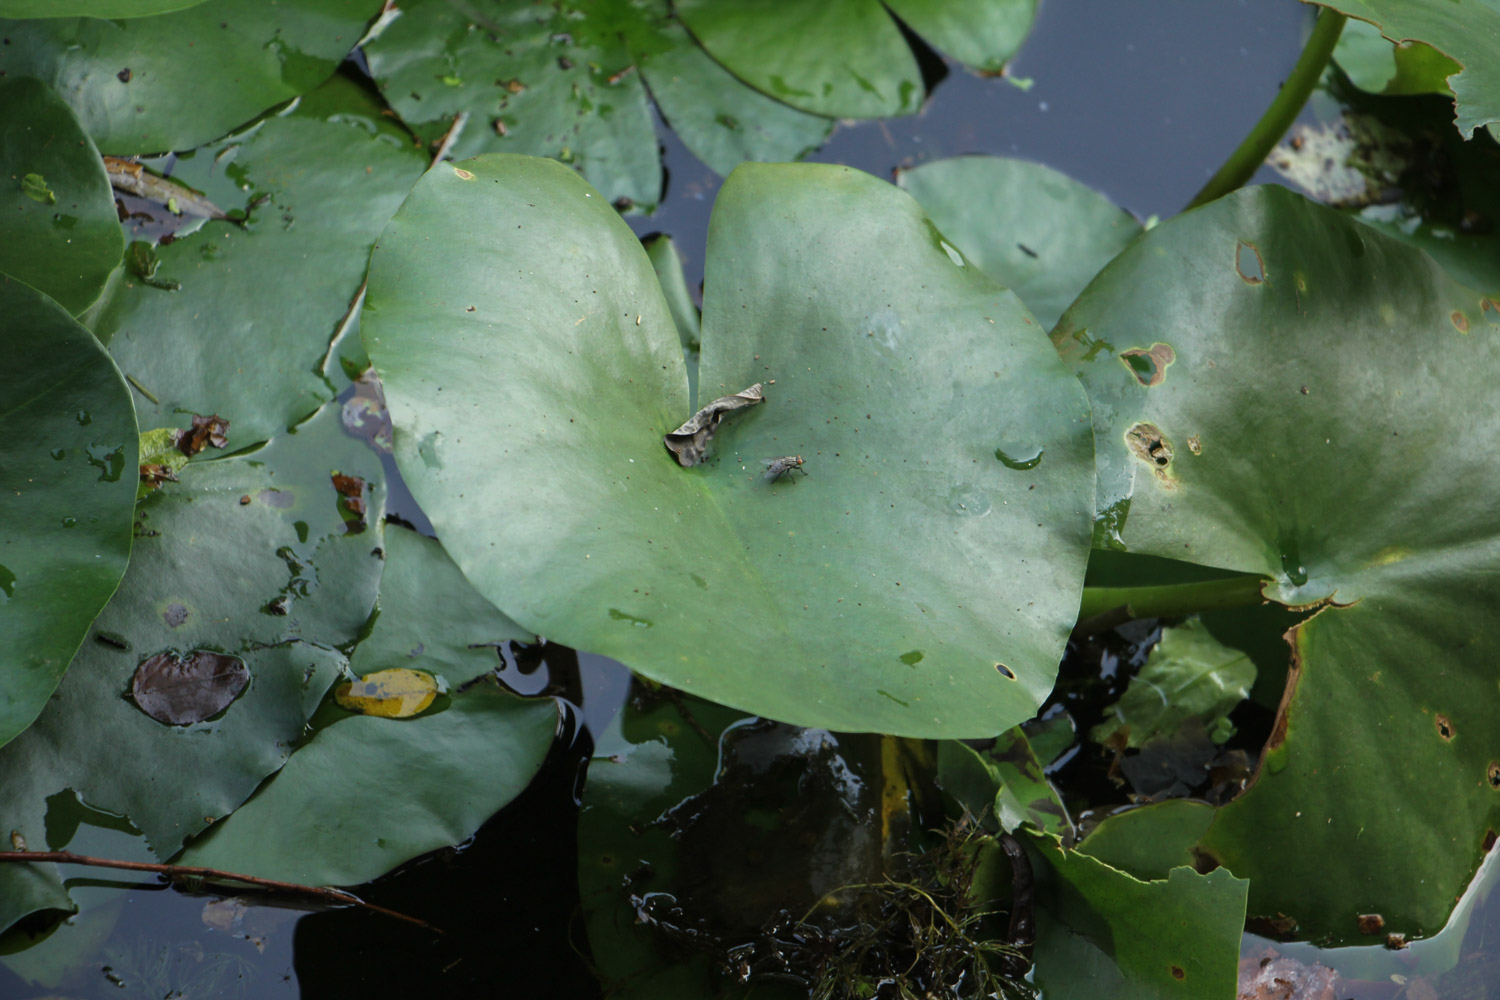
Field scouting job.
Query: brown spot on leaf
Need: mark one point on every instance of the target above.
(175, 614)
(1489, 841)
(153, 474)
(1459, 320)
(1149, 364)
(180, 691)
(1178, 973)
(1444, 726)
(1371, 923)
(1395, 941)
(1279, 926)
(213, 430)
(1492, 774)
(1195, 444)
(1248, 263)
(1146, 442)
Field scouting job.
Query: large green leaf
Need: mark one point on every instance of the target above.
(847, 58)
(910, 583)
(552, 81)
(1102, 932)
(1374, 64)
(345, 808)
(250, 557)
(178, 80)
(92, 8)
(61, 235)
(1280, 390)
(1466, 32)
(247, 335)
(1039, 233)
(67, 469)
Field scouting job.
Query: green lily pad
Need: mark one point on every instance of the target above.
(1375, 64)
(1003, 784)
(668, 265)
(344, 809)
(558, 82)
(1188, 674)
(1469, 35)
(1148, 841)
(781, 47)
(1038, 232)
(1356, 482)
(246, 556)
(66, 242)
(116, 9)
(247, 335)
(179, 80)
(909, 583)
(69, 455)
(1102, 932)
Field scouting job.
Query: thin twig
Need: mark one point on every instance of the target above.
(459, 121)
(326, 894)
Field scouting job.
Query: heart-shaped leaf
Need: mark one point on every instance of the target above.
(178, 80)
(66, 241)
(1280, 390)
(912, 582)
(69, 458)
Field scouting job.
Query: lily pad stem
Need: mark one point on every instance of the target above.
(1256, 146)
(1105, 607)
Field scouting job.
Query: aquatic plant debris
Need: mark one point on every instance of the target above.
(132, 178)
(180, 691)
(397, 693)
(688, 442)
(213, 430)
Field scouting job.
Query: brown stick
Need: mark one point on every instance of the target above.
(172, 872)
(459, 121)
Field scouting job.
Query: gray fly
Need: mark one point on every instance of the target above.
(783, 466)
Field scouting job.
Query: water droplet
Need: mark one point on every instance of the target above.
(58, 454)
(109, 461)
(1293, 569)
(911, 659)
(1020, 457)
(953, 254)
(70, 522)
(621, 616)
(83, 418)
(969, 501)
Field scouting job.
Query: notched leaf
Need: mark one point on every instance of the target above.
(180, 691)
(397, 693)
(688, 442)
(205, 431)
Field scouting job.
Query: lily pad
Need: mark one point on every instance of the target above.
(92, 8)
(244, 554)
(66, 242)
(69, 455)
(910, 583)
(1469, 35)
(179, 80)
(247, 335)
(781, 47)
(1038, 232)
(1376, 64)
(1273, 306)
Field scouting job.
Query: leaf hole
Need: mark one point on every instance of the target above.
(1005, 671)
(1493, 775)
(1149, 364)
(1444, 727)
(1248, 263)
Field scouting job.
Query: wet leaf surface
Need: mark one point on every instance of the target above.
(182, 690)
(174, 81)
(274, 289)
(1402, 662)
(366, 794)
(205, 563)
(62, 236)
(69, 436)
(857, 592)
(1039, 233)
(397, 693)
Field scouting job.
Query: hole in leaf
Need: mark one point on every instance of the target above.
(1444, 727)
(1149, 365)
(1005, 671)
(1248, 263)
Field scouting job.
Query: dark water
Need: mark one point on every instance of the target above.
(1141, 99)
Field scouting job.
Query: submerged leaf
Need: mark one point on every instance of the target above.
(397, 693)
(180, 691)
(689, 441)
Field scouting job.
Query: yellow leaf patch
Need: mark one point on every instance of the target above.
(391, 694)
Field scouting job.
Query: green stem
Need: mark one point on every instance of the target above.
(1105, 607)
(1256, 146)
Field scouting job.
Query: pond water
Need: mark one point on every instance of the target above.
(1141, 99)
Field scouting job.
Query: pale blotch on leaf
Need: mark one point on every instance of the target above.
(398, 693)
(462, 174)
(180, 691)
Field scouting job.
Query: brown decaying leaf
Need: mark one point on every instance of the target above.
(180, 691)
(154, 474)
(132, 178)
(688, 442)
(352, 498)
(212, 430)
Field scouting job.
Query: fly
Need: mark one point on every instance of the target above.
(783, 466)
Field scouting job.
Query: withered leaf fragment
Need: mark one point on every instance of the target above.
(180, 691)
(132, 178)
(352, 501)
(154, 474)
(212, 430)
(688, 442)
